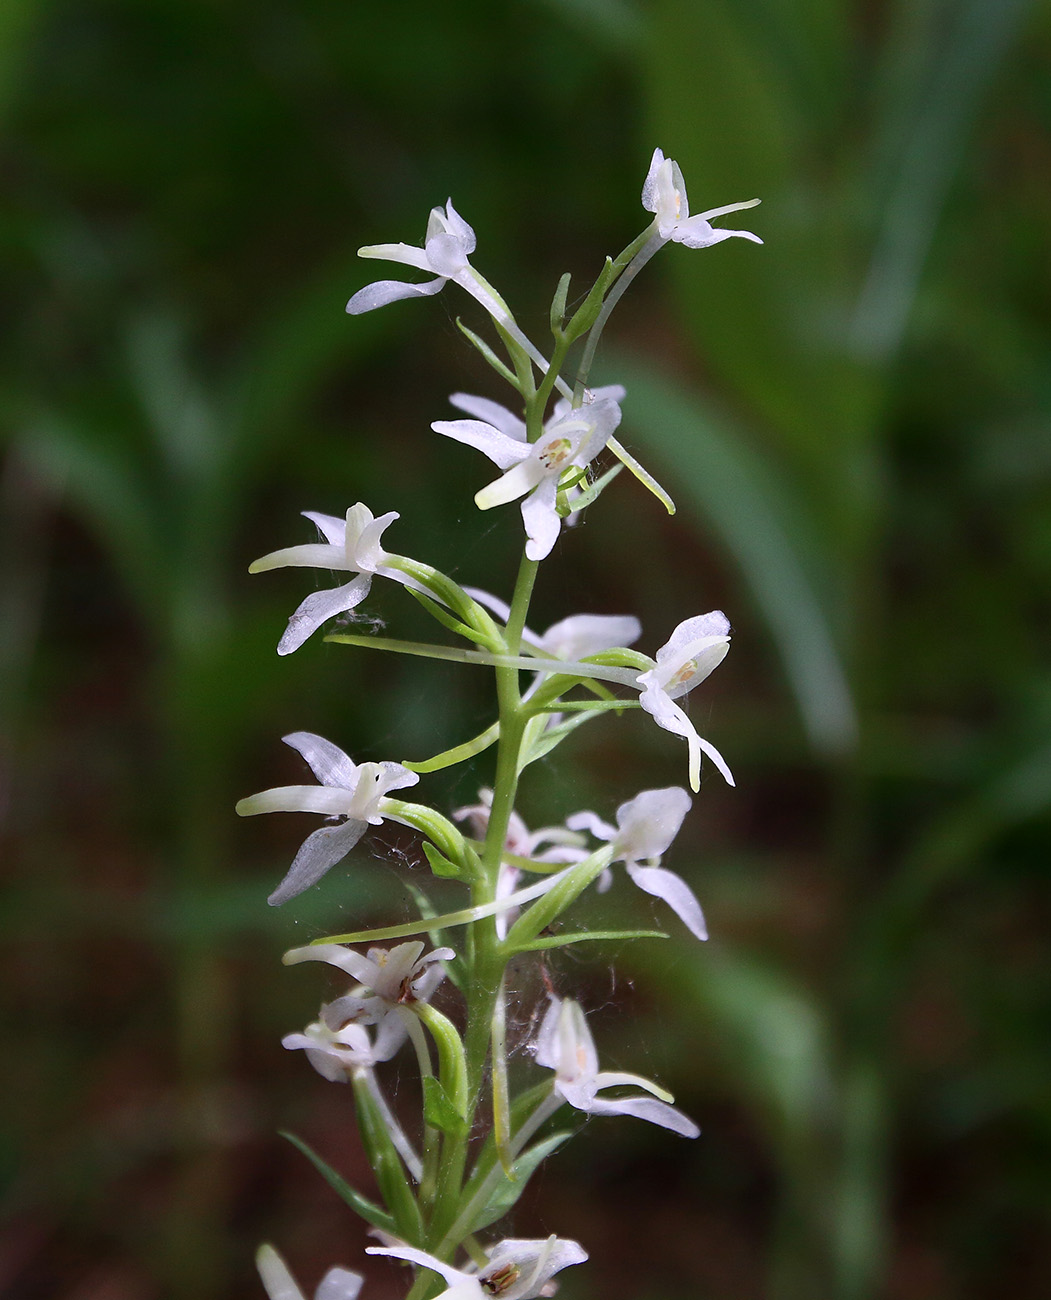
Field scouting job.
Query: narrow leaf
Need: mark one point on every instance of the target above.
(562, 940)
(361, 1205)
(487, 352)
(509, 1189)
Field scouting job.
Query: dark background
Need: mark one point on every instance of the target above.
(855, 422)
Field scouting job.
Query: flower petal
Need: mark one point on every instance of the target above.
(339, 1284)
(331, 527)
(327, 761)
(674, 891)
(317, 854)
(650, 200)
(503, 450)
(589, 634)
(320, 606)
(420, 1257)
(327, 800)
(697, 233)
(380, 293)
(648, 823)
(481, 408)
(542, 521)
(647, 1108)
(312, 555)
(589, 821)
(406, 254)
(278, 1282)
(713, 624)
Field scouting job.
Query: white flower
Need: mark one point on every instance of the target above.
(571, 439)
(664, 193)
(522, 843)
(564, 1044)
(336, 1049)
(696, 648)
(352, 544)
(348, 790)
(515, 1269)
(387, 980)
(646, 826)
(448, 244)
(279, 1284)
(393, 977)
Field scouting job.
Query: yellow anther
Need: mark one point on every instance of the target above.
(500, 1281)
(685, 674)
(556, 453)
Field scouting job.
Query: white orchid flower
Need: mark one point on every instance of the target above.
(570, 440)
(566, 846)
(352, 544)
(341, 1052)
(448, 245)
(664, 193)
(337, 1050)
(515, 1269)
(355, 793)
(392, 977)
(696, 648)
(279, 1284)
(564, 1044)
(387, 980)
(646, 826)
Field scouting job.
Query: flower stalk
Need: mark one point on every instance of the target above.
(463, 1162)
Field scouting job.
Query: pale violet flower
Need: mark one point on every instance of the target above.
(664, 194)
(388, 979)
(349, 791)
(571, 439)
(352, 544)
(515, 1269)
(448, 244)
(564, 1044)
(279, 1284)
(522, 843)
(696, 648)
(646, 826)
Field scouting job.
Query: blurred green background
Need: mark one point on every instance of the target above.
(856, 422)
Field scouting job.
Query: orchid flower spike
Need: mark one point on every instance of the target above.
(347, 790)
(279, 1284)
(646, 826)
(352, 544)
(448, 244)
(515, 1269)
(564, 1044)
(664, 194)
(696, 648)
(571, 439)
